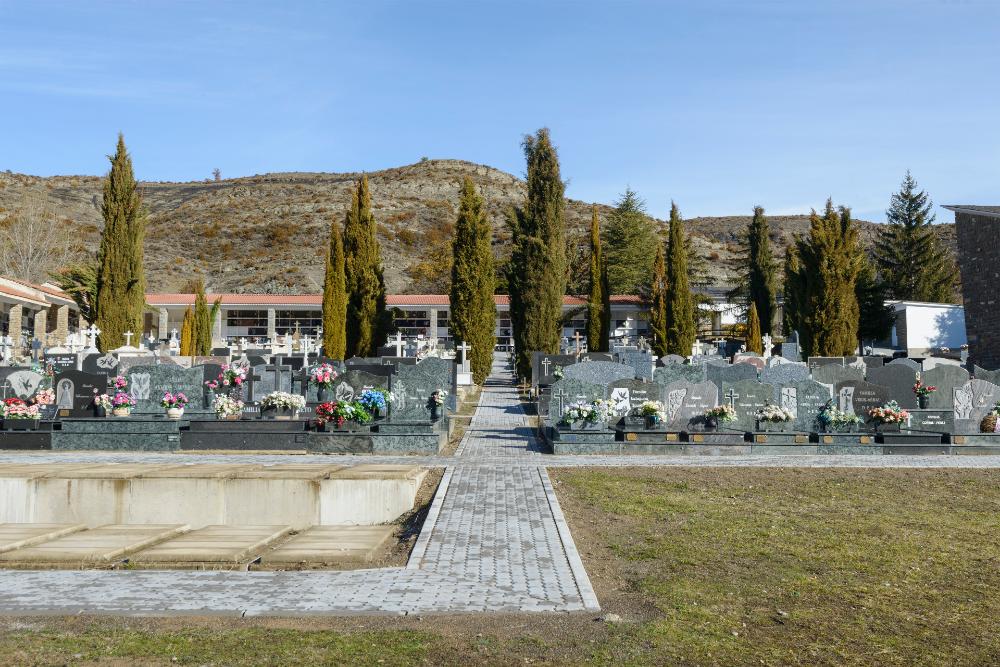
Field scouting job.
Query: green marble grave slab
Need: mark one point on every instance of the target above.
(119, 434)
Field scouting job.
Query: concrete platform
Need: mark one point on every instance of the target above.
(329, 545)
(212, 546)
(20, 535)
(92, 547)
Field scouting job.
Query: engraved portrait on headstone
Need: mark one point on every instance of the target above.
(64, 394)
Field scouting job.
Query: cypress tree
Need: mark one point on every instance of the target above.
(760, 271)
(186, 332)
(366, 315)
(875, 319)
(754, 341)
(537, 268)
(334, 298)
(911, 260)
(828, 261)
(597, 318)
(630, 239)
(473, 279)
(121, 281)
(658, 290)
(680, 306)
(201, 329)
(794, 289)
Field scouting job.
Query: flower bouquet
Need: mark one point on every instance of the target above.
(773, 417)
(375, 401)
(923, 392)
(174, 402)
(282, 405)
(721, 413)
(44, 397)
(19, 416)
(833, 420)
(322, 378)
(122, 403)
(227, 407)
(102, 404)
(340, 412)
(581, 415)
(890, 413)
(437, 400)
(652, 412)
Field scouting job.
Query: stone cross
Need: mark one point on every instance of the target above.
(560, 396)
(545, 366)
(243, 344)
(399, 344)
(731, 396)
(305, 346)
(128, 338)
(93, 332)
(173, 334)
(464, 349)
(768, 345)
(576, 337)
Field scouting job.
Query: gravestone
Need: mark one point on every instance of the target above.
(754, 360)
(973, 401)
(791, 351)
(671, 359)
(787, 372)
(62, 361)
(946, 378)
(747, 397)
(805, 399)
(899, 379)
(988, 376)
(75, 391)
(873, 362)
(147, 384)
(693, 373)
(21, 382)
(544, 366)
(267, 378)
(600, 372)
(596, 356)
(640, 361)
(101, 363)
(412, 387)
(686, 402)
(834, 374)
(566, 391)
(350, 384)
(936, 421)
(909, 363)
(816, 362)
(729, 374)
(628, 395)
(222, 352)
(860, 396)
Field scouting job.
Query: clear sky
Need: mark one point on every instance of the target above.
(717, 105)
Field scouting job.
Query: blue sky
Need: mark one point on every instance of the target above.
(717, 105)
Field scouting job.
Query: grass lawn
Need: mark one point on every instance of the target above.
(704, 566)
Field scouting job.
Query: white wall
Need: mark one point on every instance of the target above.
(934, 325)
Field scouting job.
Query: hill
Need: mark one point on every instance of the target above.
(268, 233)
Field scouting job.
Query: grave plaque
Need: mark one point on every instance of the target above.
(106, 364)
(988, 376)
(61, 361)
(790, 351)
(640, 361)
(544, 366)
(729, 374)
(945, 377)
(685, 403)
(973, 401)
(834, 374)
(751, 359)
(816, 362)
(873, 362)
(596, 356)
(747, 397)
(672, 359)
(899, 379)
(600, 372)
(267, 378)
(805, 399)
(567, 391)
(412, 387)
(75, 391)
(786, 372)
(693, 373)
(628, 395)
(909, 363)
(21, 382)
(935, 421)
(147, 384)
(859, 397)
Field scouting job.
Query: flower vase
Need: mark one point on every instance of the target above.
(922, 402)
(711, 423)
(322, 394)
(209, 398)
(175, 413)
(121, 412)
(100, 411)
(232, 418)
(435, 412)
(652, 422)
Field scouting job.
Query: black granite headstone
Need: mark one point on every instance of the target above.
(75, 391)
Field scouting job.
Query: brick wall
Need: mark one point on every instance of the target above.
(979, 261)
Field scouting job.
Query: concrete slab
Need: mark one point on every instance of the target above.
(329, 544)
(20, 535)
(94, 547)
(202, 470)
(292, 471)
(379, 471)
(213, 545)
(37, 470)
(109, 471)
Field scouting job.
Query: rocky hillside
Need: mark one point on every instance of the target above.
(268, 233)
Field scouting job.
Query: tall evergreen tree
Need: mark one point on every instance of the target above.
(121, 280)
(754, 341)
(910, 258)
(630, 244)
(794, 290)
(759, 276)
(875, 319)
(598, 317)
(537, 269)
(186, 350)
(826, 266)
(658, 290)
(334, 298)
(681, 332)
(366, 314)
(473, 277)
(201, 331)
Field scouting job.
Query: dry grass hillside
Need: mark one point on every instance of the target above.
(268, 233)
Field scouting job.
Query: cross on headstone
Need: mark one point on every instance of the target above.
(243, 344)
(545, 366)
(128, 338)
(93, 332)
(399, 344)
(173, 334)
(768, 345)
(560, 396)
(305, 346)
(731, 396)
(576, 337)
(464, 348)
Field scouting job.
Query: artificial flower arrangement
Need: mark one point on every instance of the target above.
(15, 408)
(119, 383)
(102, 401)
(438, 397)
(339, 412)
(122, 400)
(774, 414)
(722, 413)
(374, 401)
(283, 401)
(651, 409)
(558, 373)
(44, 397)
(832, 418)
(174, 400)
(890, 413)
(322, 376)
(923, 390)
(227, 407)
(231, 376)
(580, 411)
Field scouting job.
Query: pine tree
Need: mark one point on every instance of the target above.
(473, 278)
(121, 281)
(911, 260)
(536, 272)
(334, 298)
(827, 263)
(760, 271)
(659, 290)
(597, 317)
(681, 332)
(366, 314)
(186, 333)
(875, 319)
(630, 242)
(754, 342)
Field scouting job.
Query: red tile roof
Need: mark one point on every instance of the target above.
(317, 299)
